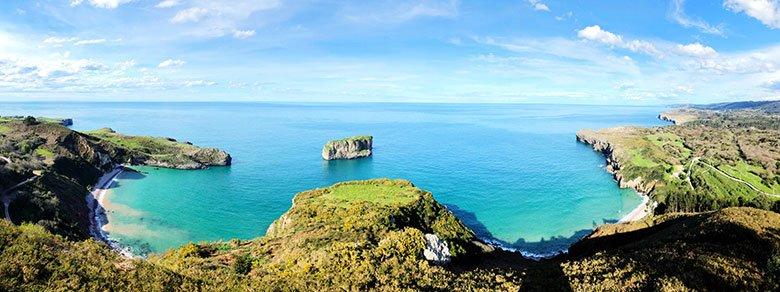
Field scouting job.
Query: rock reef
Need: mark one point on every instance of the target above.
(348, 148)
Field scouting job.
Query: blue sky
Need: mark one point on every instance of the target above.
(540, 51)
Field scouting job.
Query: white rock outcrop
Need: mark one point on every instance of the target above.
(436, 250)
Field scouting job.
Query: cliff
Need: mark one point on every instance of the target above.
(720, 159)
(54, 167)
(161, 152)
(616, 156)
(348, 148)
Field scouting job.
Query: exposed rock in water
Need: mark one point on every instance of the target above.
(436, 250)
(348, 148)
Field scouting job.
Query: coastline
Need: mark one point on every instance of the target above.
(640, 212)
(97, 216)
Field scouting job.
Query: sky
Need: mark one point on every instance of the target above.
(449, 51)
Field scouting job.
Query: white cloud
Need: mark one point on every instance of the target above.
(90, 42)
(107, 4)
(595, 33)
(433, 9)
(766, 11)
(696, 50)
(167, 4)
(677, 13)
(538, 5)
(565, 16)
(171, 63)
(191, 83)
(59, 41)
(243, 34)
(399, 11)
(645, 47)
(773, 85)
(193, 14)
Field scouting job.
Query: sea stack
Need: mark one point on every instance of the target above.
(348, 148)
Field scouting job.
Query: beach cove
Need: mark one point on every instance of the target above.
(525, 183)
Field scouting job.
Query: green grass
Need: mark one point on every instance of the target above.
(349, 139)
(721, 186)
(749, 173)
(145, 144)
(44, 152)
(4, 128)
(377, 192)
(639, 159)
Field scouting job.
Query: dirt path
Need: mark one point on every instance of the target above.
(7, 196)
(697, 160)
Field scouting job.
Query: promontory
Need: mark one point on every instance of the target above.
(348, 148)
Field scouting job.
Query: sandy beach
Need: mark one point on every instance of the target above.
(641, 211)
(97, 214)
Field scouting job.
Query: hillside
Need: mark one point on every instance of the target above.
(370, 235)
(46, 170)
(712, 160)
(768, 106)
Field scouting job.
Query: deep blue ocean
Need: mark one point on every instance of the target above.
(512, 172)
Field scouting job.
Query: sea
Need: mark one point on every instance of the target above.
(514, 173)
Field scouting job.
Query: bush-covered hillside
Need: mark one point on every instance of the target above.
(46, 170)
(731, 249)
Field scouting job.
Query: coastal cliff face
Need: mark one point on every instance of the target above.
(615, 157)
(54, 167)
(161, 152)
(719, 159)
(348, 148)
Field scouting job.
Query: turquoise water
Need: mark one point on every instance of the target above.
(514, 173)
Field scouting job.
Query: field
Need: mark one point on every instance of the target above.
(377, 193)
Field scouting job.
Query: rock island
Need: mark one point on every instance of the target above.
(348, 148)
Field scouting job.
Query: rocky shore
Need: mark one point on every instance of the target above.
(348, 148)
(613, 156)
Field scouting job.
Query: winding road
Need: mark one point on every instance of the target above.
(697, 160)
(7, 195)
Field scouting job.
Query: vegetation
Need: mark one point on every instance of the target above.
(56, 167)
(358, 138)
(369, 235)
(731, 249)
(717, 160)
(164, 152)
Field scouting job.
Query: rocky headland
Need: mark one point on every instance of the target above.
(161, 151)
(348, 148)
(615, 155)
(51, 169)
(680, 116)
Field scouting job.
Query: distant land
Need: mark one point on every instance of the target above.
(710, 221)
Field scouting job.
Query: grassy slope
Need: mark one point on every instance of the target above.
(158, 151)
(693, 166)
